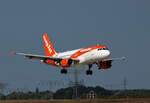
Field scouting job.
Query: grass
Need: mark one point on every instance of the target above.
(139, 100)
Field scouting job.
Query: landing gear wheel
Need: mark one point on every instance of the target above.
(89, 72)
(63, 71)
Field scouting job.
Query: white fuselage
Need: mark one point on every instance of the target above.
(87, 58)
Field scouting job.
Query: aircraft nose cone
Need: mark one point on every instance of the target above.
(107, 53)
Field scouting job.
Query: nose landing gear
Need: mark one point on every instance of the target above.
(63, 71)
(89, 71)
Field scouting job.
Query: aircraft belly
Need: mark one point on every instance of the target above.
(87, 58)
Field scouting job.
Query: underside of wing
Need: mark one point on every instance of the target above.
(115, 59)
(41, 57)
(107, 63)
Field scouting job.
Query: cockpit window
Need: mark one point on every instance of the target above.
(105, 48)
(102, 49)
(99, 49)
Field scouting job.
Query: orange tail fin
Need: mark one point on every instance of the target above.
(49, 50)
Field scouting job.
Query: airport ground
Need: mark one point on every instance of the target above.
(127, 100)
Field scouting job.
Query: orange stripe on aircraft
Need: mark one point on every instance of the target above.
(50, 62)
(85, 50)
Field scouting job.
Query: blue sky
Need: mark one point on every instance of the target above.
(121, 25)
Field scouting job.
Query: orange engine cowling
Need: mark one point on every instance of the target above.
(105, 64)
(66, 62)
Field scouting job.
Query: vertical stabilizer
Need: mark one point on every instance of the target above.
(49, 50)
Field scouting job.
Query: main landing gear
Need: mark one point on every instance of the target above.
(89, 71)
(63, 71)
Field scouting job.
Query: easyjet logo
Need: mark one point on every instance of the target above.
(47, 45)
(85, 50)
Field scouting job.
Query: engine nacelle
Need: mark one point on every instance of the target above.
(105, 64)
(66, 62)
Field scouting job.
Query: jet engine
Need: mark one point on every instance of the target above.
(66, 62)
(105, 64)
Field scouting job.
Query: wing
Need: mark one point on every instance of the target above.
(107, 63)
(115, 59)
(40, 57)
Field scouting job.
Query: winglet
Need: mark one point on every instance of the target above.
(11, 53)
(123, 58)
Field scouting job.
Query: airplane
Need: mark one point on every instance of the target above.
(98, 55)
